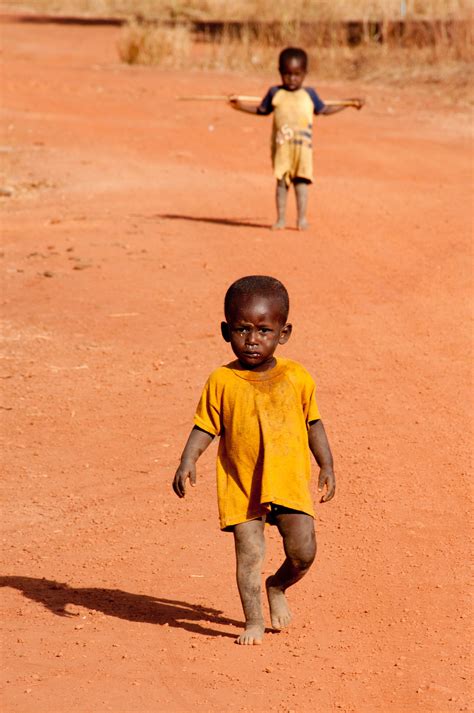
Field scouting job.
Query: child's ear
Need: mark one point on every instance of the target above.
(285, 333)
(225, 331)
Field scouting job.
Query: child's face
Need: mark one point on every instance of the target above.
(292, 74)
(255, 327)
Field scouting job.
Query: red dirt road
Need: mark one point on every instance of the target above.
(130, 215)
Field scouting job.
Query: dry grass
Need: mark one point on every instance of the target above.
(435, 52)
(141, 43)
(438, 51)
(245, 10)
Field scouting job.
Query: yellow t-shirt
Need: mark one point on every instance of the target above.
(262, 419)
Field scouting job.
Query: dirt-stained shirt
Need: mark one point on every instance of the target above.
(262, 419)
(292, 133)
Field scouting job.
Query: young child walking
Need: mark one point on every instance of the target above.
(264, 410)
(293, 106)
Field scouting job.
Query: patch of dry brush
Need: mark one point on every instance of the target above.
(395, 40)
(246, 10)
(371, 48)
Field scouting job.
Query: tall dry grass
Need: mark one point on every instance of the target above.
(145, 43)
(435, 50)
(245, 10)
(436, 44)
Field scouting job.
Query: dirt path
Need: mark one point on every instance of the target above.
(130, 215)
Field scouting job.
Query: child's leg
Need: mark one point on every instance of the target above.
(281, 196)
(299, 542)
(249, 551)
(301, 192)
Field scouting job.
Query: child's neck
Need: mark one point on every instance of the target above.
(266, 366)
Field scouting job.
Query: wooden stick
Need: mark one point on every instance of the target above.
(219, 97)
(338, 102)
(246, 98)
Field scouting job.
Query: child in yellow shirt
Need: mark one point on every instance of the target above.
(293, 106)
(264, 410)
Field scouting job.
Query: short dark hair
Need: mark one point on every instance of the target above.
(293, 53)
(262, 285)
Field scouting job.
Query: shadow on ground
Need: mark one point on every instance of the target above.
(242, 223)
(56, 596)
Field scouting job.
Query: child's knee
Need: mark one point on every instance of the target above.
(303, 554)
(303, 560)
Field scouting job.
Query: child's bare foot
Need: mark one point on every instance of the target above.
(279, 611)
(252, 636)
(303, 224)
(279, 225)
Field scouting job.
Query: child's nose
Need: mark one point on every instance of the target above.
(252, 336)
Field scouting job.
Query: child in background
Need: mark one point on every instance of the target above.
(265, 412)
(292, 151)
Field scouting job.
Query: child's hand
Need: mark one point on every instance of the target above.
(196, 444)
(357, 103)
(326, 478)
(233, 101)
(185, 471)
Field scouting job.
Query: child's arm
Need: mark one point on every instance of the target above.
(236, 103)
(334, 107)
(195, 446)
(319, 446)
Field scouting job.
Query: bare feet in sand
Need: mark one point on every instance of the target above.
(252, 636)
(279, 225)
(303, 224)
(279, 612)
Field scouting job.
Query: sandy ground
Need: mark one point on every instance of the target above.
(130, 215)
